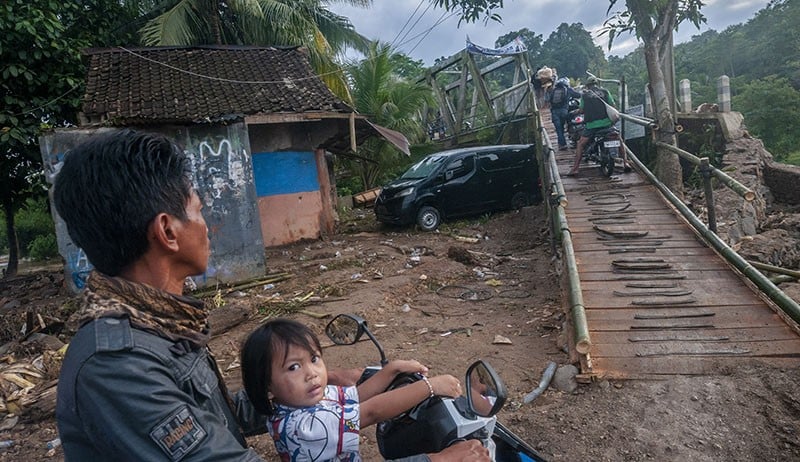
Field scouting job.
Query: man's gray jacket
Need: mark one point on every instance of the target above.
(127, 394)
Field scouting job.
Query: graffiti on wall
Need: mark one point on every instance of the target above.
(78, 267)
(222, 175)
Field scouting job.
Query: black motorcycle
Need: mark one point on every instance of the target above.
(575, 124)
(604, 148)
(440, 421)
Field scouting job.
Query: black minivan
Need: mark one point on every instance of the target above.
(459, 182)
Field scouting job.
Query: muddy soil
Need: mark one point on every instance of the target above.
(486, 288)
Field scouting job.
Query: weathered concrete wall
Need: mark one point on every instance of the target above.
(223, 177)
(784, 182)
(293, 189)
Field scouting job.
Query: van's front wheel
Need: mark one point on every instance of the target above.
(429, 218)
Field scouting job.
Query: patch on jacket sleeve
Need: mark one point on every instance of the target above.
(178, 434)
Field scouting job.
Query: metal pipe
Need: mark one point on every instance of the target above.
(547, 376)
(639, 120)
(737, 187)
(789, 306)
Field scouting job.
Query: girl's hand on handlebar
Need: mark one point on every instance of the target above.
(400, 366)
(446, 385)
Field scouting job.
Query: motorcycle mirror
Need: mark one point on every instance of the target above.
(347, 329)
(486, 392)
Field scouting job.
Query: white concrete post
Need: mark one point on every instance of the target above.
(648, 103)
(724, 93)
(685, 91)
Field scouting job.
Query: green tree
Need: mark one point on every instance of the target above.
(653, 22)
(40, 83)
(767, 102)
(388, 100)
(571, 50)
(406, 67)
(533, 42)
(472, 10)
(305, 23)
(633, 69)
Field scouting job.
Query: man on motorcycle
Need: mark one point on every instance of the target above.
(593, 104)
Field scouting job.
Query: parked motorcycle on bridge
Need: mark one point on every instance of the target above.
(440, 421)
(575, 124)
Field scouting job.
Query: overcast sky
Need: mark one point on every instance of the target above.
(412, 25)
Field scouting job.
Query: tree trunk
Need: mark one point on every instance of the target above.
(13, 244)
(668, 167)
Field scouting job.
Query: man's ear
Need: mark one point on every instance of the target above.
(163, 232)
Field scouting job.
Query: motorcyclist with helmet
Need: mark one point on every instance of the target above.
(594, 99)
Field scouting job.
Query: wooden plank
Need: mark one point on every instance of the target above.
(695, 275)
(717, 314)
(683, 365)
(682, 324)
(785, 348)
(773, 332)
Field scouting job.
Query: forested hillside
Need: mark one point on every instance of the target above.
(762, 59)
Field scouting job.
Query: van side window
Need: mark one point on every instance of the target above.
(459, 168)
(501, 160)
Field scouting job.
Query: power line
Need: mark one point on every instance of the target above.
(407, 21)
(442, 19)
(416, 22)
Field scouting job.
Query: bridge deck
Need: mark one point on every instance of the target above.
(658, 300)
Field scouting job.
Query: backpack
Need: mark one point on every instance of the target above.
(559, 96)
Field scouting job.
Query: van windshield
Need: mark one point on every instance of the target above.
(423, 168)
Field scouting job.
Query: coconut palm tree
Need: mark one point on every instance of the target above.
(388, 100)
(306, 23)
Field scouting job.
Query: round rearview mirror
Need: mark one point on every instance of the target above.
(345, 329)
(486, 392)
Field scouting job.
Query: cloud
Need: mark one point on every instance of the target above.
(418, 35)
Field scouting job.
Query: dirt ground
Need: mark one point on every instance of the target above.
(447, 301)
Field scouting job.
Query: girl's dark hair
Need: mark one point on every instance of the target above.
(273, 338)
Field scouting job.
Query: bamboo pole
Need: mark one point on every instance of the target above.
(561, 196)
(776, 269)
(583, 342)
(784, 302)
(737, 187)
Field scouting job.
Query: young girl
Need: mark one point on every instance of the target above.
(285, 378)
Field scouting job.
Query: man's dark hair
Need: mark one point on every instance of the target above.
(272, 338)
(112, 186)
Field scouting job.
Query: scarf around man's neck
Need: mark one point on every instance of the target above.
(167, 315)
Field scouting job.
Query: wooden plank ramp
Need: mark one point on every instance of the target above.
(659, 301)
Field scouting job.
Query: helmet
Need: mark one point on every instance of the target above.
(562, 82)
(592, 80)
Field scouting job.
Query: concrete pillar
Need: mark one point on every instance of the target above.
(724, 93)
(685, 91)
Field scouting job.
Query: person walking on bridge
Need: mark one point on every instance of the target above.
(558, 96)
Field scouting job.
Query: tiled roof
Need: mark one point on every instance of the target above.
(201, 84)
